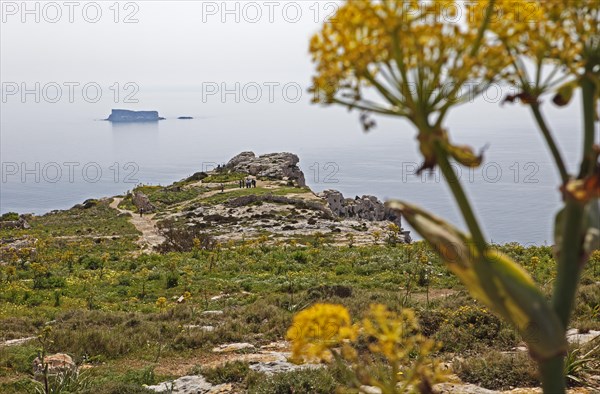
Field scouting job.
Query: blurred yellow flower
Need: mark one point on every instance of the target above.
(161, 302)
(315, 330)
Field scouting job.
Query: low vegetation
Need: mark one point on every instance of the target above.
(132, 318)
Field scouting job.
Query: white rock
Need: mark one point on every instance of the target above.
(16, 342)
(212, 313)
(573, 336)
(203, 328)
(370, 390)
(189, 385)
(233, 347)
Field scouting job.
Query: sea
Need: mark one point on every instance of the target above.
(57, 154)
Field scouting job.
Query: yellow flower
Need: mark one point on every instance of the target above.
(161, 302)
(562, 34)
(417, 62)
(395, 334)
(316, 330)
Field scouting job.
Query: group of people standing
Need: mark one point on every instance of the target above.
(248, 183)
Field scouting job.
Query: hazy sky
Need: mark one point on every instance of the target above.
(173, 43)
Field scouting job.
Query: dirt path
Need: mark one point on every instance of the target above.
(144, 224)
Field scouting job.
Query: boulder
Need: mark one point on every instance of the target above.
(282, 166)
(57, 363)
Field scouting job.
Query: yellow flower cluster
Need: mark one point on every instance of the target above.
(417, 61)
(411, 45)
(316, 330)
(324, 332)
(564, 31)
(561, 34)
(396, 335)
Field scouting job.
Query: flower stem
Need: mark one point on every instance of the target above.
(460, 197)
(560, 164)
(553, 375)
(588, 89)
(570, 252)
(569, 261)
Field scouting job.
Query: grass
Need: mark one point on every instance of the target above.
(224, 177)
(259, 191)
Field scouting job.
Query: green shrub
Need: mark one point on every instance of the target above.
(498, 371)
(314, 381)
(9, 216)
(230, 372)
(91, 262)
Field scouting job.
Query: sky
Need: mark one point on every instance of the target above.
(159, 43)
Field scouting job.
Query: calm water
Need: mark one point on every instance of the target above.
(515, 193)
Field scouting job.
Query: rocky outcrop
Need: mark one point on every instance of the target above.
(23, 248)
(142, 202)
(21, 223)
(365, 207)
(127, 116)
(283, 166)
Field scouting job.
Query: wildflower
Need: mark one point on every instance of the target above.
(534, 261)
(161, 302)
(316, 330)
(417, 62)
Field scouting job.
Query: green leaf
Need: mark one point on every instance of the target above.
(591, 239)
(495, 280)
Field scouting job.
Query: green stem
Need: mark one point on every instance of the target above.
(482, 29)
(570, 252)
(569, 261)
(569, 267)
(553, 375)
(588, 89)
(560, 164)
(461, 198)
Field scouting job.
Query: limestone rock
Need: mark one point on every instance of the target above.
(365, 207)
(574, 336)
(195, 384)
(233, 347)
(21, 223)
(212, 313)
(24, 246)
(282, 166)
(16, 342)
(57, 363)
